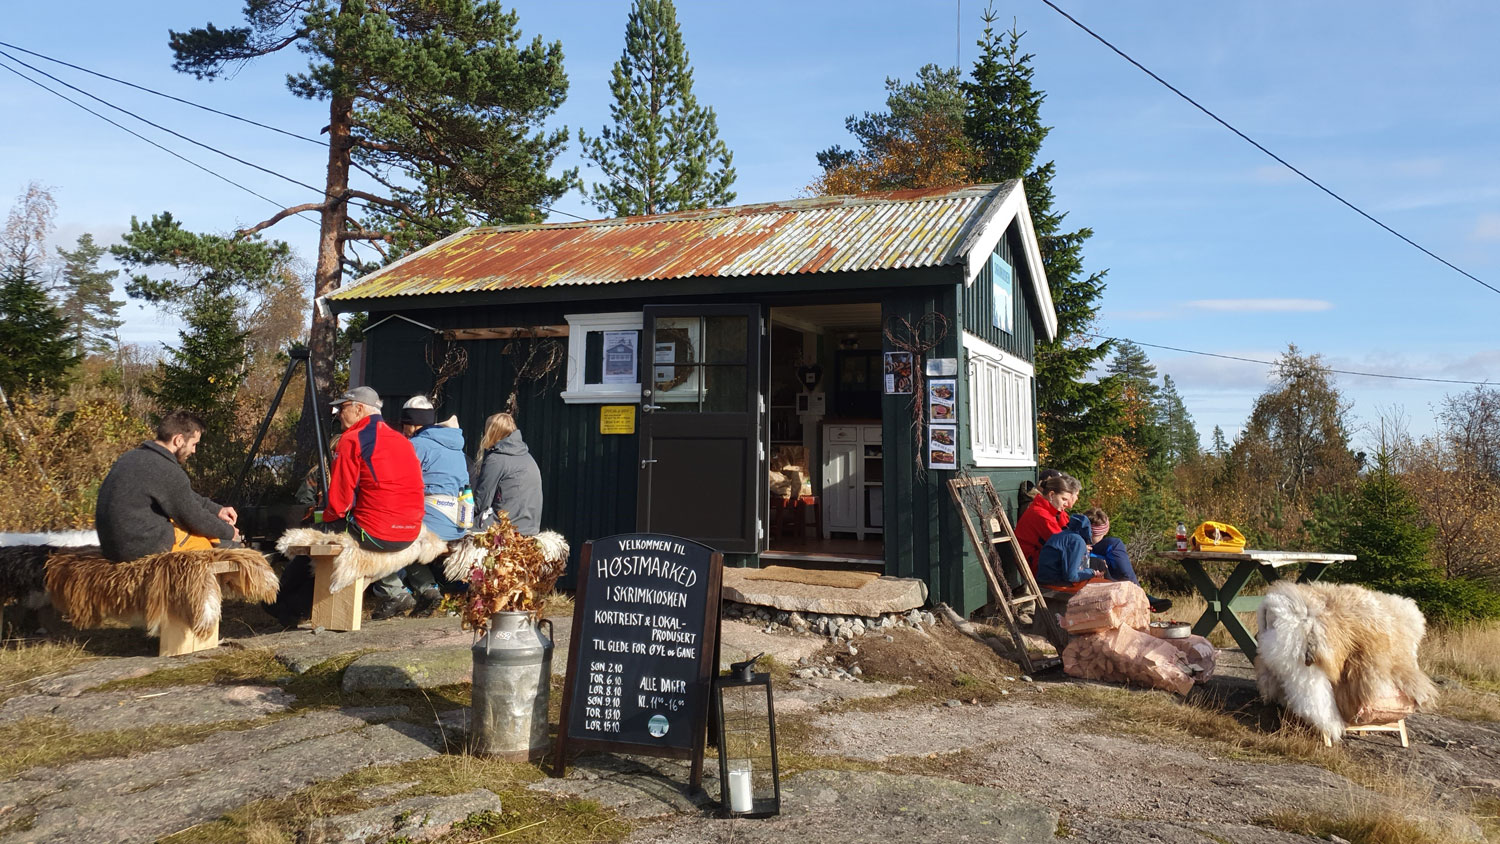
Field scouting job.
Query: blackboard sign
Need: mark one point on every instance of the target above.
(644, 648)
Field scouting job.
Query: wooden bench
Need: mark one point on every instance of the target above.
(179, 594)
(342, 610)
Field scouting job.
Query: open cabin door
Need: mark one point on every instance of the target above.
(702, 462)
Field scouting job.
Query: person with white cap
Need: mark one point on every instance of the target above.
(445, 478)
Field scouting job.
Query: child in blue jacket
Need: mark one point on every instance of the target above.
(1110, 553)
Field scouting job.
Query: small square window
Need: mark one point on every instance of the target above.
(603, 358)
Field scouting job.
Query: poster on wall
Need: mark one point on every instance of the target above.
(941, 400)
(620, 357)
(1001, 294)
(942, 447)
(898, 374)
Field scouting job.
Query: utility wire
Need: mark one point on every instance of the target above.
(212, 110)
(161, 94)
(130, 131)
(1275, 363)
(1282, 161)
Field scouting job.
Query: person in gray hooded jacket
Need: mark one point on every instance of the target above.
(506, 477)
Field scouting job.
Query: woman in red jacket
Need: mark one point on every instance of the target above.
(1047, 515)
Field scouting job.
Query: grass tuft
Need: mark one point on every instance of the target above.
(35, 742)
(22, 662)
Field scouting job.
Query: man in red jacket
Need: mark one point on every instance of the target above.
(375, 489)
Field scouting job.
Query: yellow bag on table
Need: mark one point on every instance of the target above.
(1218, 536)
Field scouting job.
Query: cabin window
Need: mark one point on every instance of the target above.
(1002, 430)
(604, 353)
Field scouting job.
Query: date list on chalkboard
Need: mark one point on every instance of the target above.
(643, 650)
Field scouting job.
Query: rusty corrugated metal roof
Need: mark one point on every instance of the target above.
(901, 229)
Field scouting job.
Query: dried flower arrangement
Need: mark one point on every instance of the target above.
(513, 576)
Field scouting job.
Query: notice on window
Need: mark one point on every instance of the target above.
(898, 379)
(942, 447)
(620, 356)
(666, 353)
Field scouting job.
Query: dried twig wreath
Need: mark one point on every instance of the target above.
(447, 360)
(533, 358)
(683, 354)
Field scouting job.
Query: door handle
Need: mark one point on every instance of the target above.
(647, 460)
(649, 408)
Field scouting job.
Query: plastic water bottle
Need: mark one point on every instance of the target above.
(1182, 543)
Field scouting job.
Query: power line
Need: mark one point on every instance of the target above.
(164, 95)
(1275, 363)
(130, 131)
(1283, 162)
(212, 110)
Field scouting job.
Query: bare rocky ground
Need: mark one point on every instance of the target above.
(940, 741)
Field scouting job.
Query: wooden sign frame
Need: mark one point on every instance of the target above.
(707, 670)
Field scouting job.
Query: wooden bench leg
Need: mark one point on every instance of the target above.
(178, 639)
(1397, 727)
(335, 611)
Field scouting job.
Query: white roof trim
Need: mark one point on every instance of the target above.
(982, 243)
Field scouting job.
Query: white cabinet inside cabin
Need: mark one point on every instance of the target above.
(853, 460)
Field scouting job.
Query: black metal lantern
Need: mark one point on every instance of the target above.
(749, 779)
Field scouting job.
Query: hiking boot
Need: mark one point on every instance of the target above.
(399, 605)
(1159, 604)
(427, 603)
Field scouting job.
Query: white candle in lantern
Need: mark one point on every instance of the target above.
(740, 799)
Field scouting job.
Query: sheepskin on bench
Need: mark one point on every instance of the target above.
(178, 585)
(355, 562)
(467, 554)
(1334, 653)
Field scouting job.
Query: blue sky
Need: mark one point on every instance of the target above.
(1209, 244)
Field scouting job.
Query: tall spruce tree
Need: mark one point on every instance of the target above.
(436, 103)
(1180, 435)
(88, 303)
(36, 348)
(663, 152)
(1003, 122)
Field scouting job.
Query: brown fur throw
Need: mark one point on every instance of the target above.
(23, 567)
(88, 588)
(355, 561)
(1336, 654)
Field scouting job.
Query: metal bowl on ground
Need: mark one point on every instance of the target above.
(1171, 629)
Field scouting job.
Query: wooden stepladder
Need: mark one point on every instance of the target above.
(995, 543)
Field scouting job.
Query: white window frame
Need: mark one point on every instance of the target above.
(579, 326)
(1002, 426)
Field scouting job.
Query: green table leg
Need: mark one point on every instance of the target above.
(1312, 571)
(1210, 592)
(1230, 602)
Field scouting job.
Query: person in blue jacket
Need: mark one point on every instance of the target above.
(1112, 556)
(445, 475)
(1064, 557)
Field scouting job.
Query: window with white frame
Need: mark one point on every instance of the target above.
(603, 358)
(1001, 428)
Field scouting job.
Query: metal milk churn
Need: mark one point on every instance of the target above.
(512, 685)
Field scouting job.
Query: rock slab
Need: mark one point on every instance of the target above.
(416, 819)
(878, 597)
(415, 668)
(848, 807)
(135, 708)
(151, 795)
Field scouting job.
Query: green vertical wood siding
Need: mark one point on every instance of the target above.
(978, 310)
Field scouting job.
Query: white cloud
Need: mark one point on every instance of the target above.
(1486, 228)
(1262, 305)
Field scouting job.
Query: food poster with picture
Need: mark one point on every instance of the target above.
(942, 446)
(942, 400)
(898, 380)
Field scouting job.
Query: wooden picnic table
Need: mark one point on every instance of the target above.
(1224, 598)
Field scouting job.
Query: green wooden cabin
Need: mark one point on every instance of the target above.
(721, 374)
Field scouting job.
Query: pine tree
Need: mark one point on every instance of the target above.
(918, 142)
(92, 313)
(209, 281)
(1003, 123)
(1221, 445)
(663, 151)
(36, 348)
(437, 103)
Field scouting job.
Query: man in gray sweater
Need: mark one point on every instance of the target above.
(147, 505)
